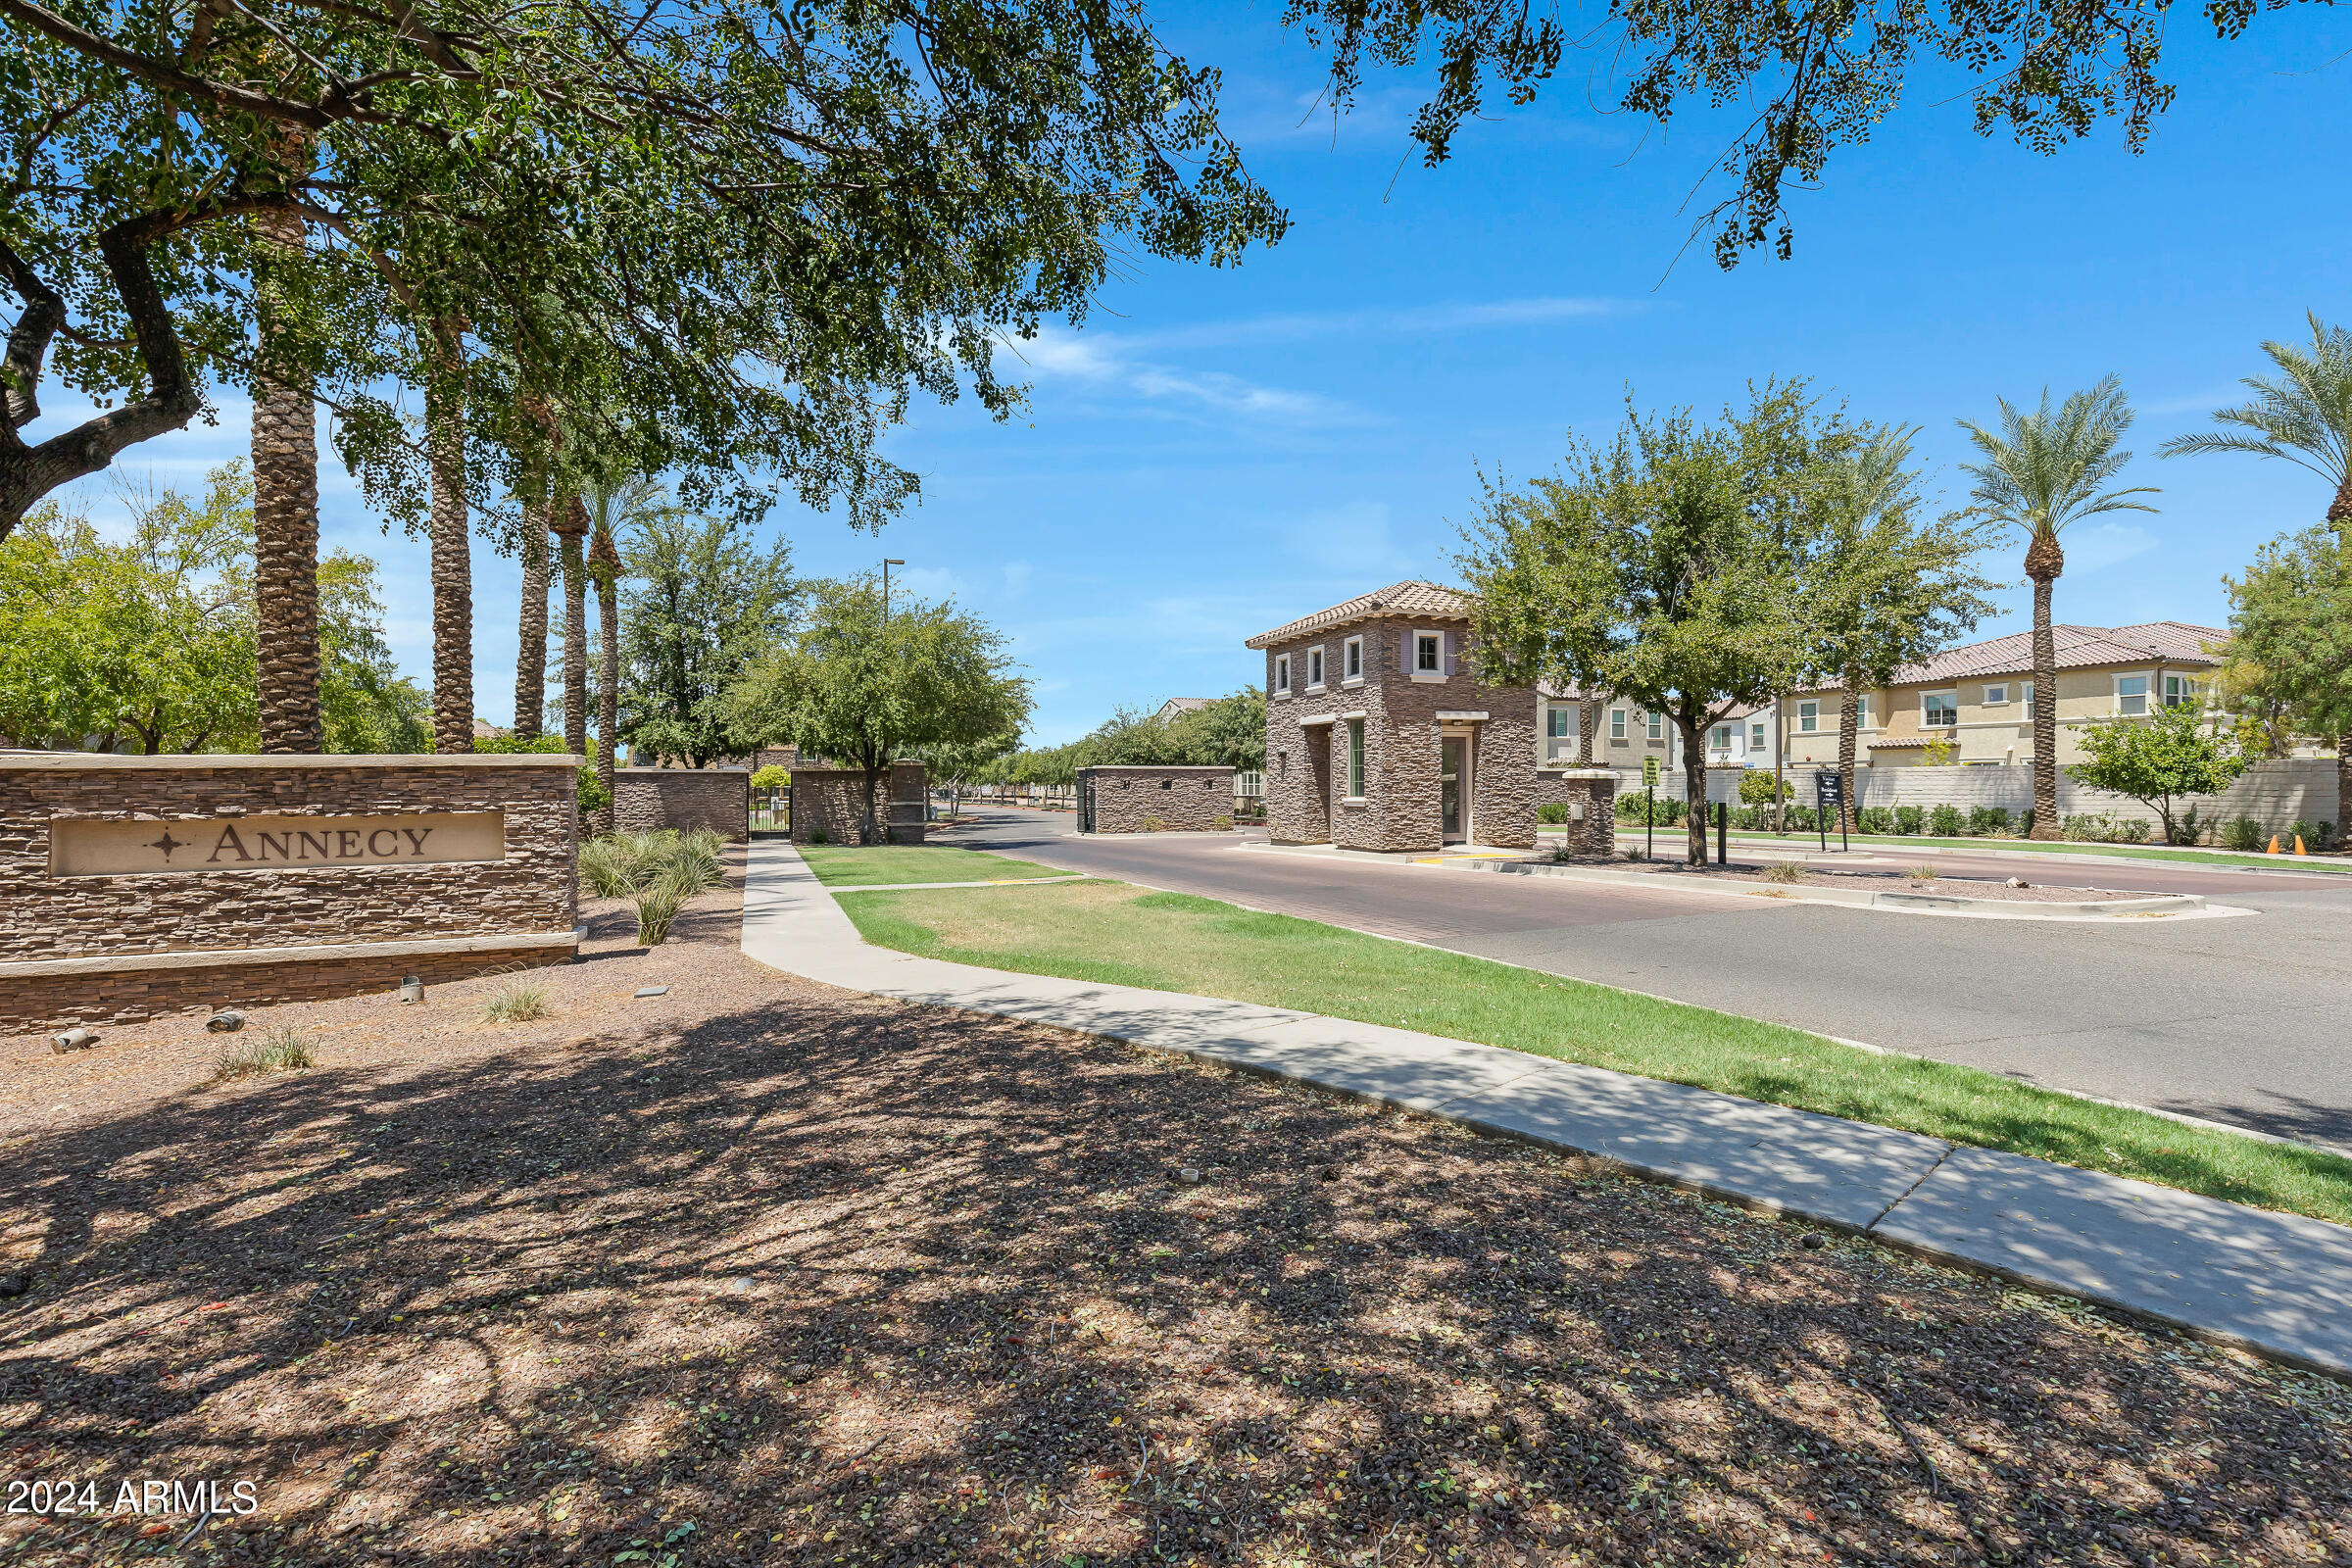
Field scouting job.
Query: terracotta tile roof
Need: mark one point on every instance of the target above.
(1423, 601)
(2078, 648)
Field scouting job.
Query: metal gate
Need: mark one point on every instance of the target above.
(1086, 799)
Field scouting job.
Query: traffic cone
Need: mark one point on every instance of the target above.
(2299, 848)
(2274, 848)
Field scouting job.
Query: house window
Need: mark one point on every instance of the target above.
(1282, 674)
(1314, 669)
(1719, 738)
(2024, 695)
(1755, 737)
(1429, 653)
(1351, 659)
(1356, 758)
(1556, 723)
(1616, 723)
(2130, 694)
(1938, 709)
(1657, 725)
(2179, 689)
(1808, 718)
(1996, 696)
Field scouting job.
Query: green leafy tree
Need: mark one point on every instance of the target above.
(960, 765)
(2044, 471)
(1886, 585)
(2291, 615)
(591, 791)
(703, 601)
(1759, 788)
(2159, 758)
(150, 644)
(1662, 567)
(868, 687)
(1230, 732)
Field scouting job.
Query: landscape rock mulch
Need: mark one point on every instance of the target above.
(1887, 879)
(763, 1272)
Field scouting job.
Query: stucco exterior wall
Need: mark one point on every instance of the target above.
(1179, 799)
(647, 800)
(104, 949)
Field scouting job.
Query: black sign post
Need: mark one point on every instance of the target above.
(1829, 794)
(1650, 788)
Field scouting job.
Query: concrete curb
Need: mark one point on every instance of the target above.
(2276, 1285)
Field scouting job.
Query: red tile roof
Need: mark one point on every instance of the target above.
(1422, 601)
(2078, 648)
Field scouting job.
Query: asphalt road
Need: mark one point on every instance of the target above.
(2241, 1020)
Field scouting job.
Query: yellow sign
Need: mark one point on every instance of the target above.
(92, 847)
(1649, 772)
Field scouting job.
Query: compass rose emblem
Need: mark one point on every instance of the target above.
(168, 844)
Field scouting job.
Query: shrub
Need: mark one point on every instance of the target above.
(2024, 823)
(608, 869)
(282, 1050)
(2243, 834)
(1755, 787)
(656, 906)
(1552, 811)
(1946, 822)
(1670, 813)
(515, 1004)
(2102, 827)
(1877, 820)
(1986, 821)
(2316, 836)
(2190, 828)
(1908, 820)
(1923, 873)
(771, 777)
(1220, 824)
(817, 835)
(1154, 824)
(1803, 818)
(1784, 871)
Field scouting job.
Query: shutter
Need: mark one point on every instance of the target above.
(1405, 651)
(1450, 657)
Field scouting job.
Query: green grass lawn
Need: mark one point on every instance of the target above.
(2149, 851)
(840, 865)
(1109, 931)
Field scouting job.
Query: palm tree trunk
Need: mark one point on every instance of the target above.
(1849, 731)
(604, 561)
(2046, 699)
(530, 653)
(2339, 510)
(285, 530)
(573, 530)
(453, 549)
(1588, 720)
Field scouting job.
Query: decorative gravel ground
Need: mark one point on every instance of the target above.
(770, 1273)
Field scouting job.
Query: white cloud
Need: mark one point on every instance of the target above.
(1106, 360)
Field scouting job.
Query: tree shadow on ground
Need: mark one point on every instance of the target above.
(825, 1280)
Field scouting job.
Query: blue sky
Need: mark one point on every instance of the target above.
(1217, 452)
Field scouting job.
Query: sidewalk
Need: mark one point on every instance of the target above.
(2278, 1284)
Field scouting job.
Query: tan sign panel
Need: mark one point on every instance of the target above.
(82, 847)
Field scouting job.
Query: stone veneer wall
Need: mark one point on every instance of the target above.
(647, 800)
(70, 946)
(830, 799)
(1306, 771)
(1185, 800)
(1596, 788)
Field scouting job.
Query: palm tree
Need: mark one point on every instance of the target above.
(285, 509)
(1876, 484)
(2041, 473)
(630, 502)
(530, 653)
(570, 524)
(2304, 416)
(452, 544)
